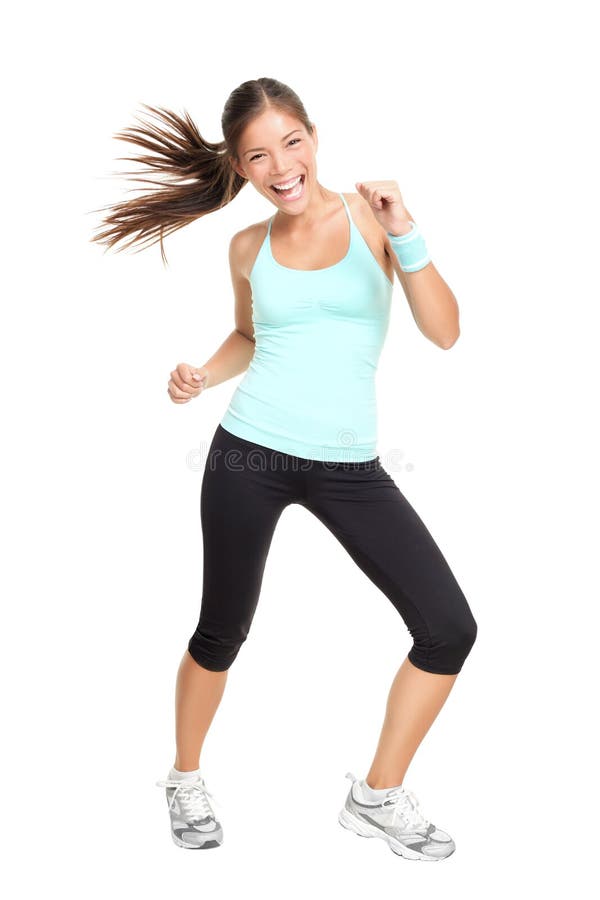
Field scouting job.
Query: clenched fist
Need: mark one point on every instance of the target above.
(187, 382)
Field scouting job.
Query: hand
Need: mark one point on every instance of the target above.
(386, 202)
(187, 382)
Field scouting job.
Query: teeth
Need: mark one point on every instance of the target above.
(285, 187)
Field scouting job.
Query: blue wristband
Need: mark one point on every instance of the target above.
(410, 249)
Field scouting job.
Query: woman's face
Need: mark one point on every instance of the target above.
(275, 148)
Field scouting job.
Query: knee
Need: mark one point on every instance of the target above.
(460, 639)
(213, 652)
(444, 650)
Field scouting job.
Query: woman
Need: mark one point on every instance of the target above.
(312, 287)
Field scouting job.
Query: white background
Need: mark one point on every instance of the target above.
(484, 114)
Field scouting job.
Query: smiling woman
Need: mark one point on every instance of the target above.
(197, 174)
(301, 427)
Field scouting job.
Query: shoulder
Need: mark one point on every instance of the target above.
(365, 219)
(374, 235)
(362, 211)
(245, 244)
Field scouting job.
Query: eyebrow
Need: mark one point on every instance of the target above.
(253, 149)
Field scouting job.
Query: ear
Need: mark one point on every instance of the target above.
(237, 168)
(315, 136)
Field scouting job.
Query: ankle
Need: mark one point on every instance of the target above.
(190, 767)
(381, 783)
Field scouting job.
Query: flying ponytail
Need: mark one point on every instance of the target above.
(195, 175)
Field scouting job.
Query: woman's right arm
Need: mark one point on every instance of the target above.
(235, 353)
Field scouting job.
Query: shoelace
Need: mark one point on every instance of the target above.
(192, 796)
(406, 806)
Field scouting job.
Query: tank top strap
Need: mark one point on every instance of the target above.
(347, 210)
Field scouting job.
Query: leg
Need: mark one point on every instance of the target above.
(414, 701)
(198, 694)
(367, 513)
(241, 502)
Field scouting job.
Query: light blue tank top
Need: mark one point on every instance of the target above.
(310, 387)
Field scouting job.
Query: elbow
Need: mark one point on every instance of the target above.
(450, 341)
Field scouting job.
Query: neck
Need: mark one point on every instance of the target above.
(319, 206)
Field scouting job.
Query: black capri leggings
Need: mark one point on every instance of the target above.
(246, 487)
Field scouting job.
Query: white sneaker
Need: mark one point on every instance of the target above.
(193, 822)
(397, 820)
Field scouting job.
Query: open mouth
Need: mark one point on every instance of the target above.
(291, 193)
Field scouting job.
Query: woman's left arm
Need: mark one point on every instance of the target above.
(432, 303)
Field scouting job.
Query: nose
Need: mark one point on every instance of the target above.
(278, 167)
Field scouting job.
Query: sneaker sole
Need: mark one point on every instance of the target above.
(207, 845)
(363, 829)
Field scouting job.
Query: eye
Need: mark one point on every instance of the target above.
(257, 155)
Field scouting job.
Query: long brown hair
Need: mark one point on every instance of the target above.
(198, 177)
